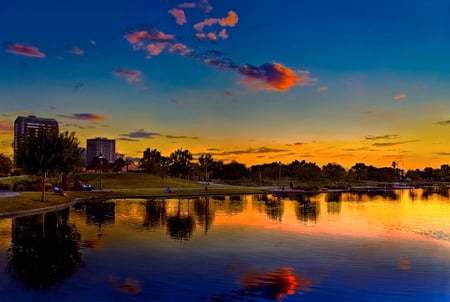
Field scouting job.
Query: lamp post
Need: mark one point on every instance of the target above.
(100, 157)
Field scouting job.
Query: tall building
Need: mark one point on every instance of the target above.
(24, 124)
(100, 145)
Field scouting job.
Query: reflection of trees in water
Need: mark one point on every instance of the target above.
(307, 211)
(334, 202)
(155, 214)
(230, 205)
(181, 226)
(439, 190)
(274, 285)
(370, 194)
(100, 213)
(274, 209)
(205, 215)
(45, 250)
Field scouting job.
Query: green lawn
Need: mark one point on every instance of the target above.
(113, 185)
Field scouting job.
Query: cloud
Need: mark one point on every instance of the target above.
(24, 50)
(230, 20)
(140, 134)
(223, 34)
(386, 136)
(179, 15)
(260, 150)
(75, 50)
(131, 76)
(393, 143)
(181, 137)
(204, 4)
(155, 49)
(137, 38)
(83, 116)
(443, 123)
(6, 127)
(443, 153)
(268, 76)
(127, 139)
(180, 49)
(187, 5)
(400, 96)
(322, 89)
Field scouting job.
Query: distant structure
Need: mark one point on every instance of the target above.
(100, 145)
(24, 124)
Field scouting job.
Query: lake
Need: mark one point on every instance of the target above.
(359, 246)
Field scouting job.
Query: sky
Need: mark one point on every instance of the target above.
(251, 81)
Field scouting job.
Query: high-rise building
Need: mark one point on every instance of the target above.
(23, 126)
(100, 146)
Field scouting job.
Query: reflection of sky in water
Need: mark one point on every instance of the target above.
(256, 248)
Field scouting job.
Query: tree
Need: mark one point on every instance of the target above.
(333, 172)
(45, 151)
(180, 162)
(151, 161)
(5, 165)
(205, 161)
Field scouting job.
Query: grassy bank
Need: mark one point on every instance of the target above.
(114, 185)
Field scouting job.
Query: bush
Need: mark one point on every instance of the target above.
(4, 187)
(23, 185)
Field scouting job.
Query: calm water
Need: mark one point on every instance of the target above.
(389, 246)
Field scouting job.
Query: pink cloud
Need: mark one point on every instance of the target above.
(400, 96)
(75, 50)
(179, 15)
(200, 35)
(212, 36)
(24, 50)
(187, 5)
(223, 34)
(155, 49)
(135, 37)
(132, 76)
(181, 49)
(230, 20)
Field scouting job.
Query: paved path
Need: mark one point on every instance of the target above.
(8, 194)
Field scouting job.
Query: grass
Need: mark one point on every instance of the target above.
(113, 185)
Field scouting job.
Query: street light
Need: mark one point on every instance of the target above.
(100, 156)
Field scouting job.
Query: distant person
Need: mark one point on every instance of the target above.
(291, 185)
(168, 189)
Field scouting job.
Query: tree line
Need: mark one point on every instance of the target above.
(45, 153)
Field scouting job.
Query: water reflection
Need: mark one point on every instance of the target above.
(343, 243)
(45, 249)
(307, 211)
(182, 225)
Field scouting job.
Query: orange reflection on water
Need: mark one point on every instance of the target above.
(274, 285)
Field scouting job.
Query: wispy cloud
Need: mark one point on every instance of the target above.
(140, 134)
(399, 96)
(390, 144)
(179, 15)
(230, 20)
(83, 116)
(6, 127)
(180, 137)
(148, 35)
(187, 5)
(386, 136)
(260, 150)
(75, 50)
(24, 50)
(443, 123)
(131, 76)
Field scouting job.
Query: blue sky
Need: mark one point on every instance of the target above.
(252, 81)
